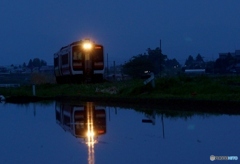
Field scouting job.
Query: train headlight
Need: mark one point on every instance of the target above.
(87, 46)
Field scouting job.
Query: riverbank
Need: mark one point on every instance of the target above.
(208, 106)
(206, 94)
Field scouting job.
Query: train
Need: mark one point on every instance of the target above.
(79, 62)
(81, 120)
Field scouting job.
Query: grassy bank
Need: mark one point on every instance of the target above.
(201, 89)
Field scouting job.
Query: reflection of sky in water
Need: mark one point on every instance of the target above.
(29, 138)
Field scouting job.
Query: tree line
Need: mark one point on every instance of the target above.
(36, 62)
(221, 65)
(154, 61)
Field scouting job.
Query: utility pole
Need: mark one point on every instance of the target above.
(114, 68)
(107, 65)
(160, 49)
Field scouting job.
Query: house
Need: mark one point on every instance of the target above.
(194, 71)
(235, 54)
(4, 70)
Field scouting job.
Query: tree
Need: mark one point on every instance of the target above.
(137, 65)
(30, 64)
(199, 62)
(172, 67)
(43, 63)
(199, 58)
(36, 62)
(24, 65)
(189, 63)
(172, 63)
(153, 61)
(157, 59)
(210, 67)
(222, 64)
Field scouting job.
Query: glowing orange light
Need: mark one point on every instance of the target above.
(87, 46)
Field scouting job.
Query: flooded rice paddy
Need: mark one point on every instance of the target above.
(57, 132)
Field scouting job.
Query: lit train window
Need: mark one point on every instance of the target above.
(77, 55)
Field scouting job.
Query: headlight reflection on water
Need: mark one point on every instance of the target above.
(90, 140)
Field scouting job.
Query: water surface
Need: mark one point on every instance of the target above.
(87, 133)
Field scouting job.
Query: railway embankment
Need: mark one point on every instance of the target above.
(201, 94)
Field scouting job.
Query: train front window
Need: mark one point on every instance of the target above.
(98, 54)
(77, 58)
(77, 54)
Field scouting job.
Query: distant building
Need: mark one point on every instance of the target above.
(235, 54)
(235, 67)
(194, 71)
(4, 70)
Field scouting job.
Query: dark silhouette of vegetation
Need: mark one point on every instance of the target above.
(197, 63)
(189, 62)
(137, 65)
(36, 62)
(157, 59)
(224, 65)
(159, 64)
(153, 61)
(210, 67)
(171, 63)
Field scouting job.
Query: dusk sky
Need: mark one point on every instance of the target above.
(31, 28)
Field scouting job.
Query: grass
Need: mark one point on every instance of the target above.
(184, 87)
(207, 88)
(183, 94)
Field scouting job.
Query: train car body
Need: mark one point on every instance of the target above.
(81, 61)
(81, 120)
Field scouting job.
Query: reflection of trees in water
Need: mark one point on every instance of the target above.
(151, 114)
(151, 118)
(174, 113)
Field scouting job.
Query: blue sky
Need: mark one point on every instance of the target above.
(31, 28)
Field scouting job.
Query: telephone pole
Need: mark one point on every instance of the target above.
(160, 50)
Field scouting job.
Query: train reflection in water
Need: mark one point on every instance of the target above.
(83, 121)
